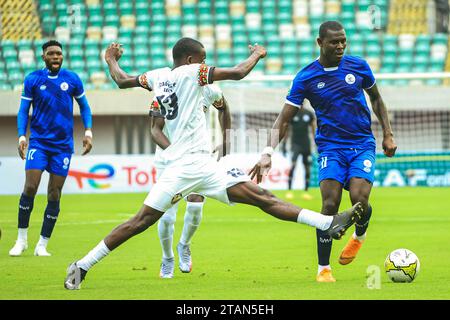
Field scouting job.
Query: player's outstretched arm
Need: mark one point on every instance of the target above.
(379, 108)
(241, 70)
(277, 134)
(156, 132)
(112, 55)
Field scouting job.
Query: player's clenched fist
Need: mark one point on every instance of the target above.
(256, 48)
(22, 147)
(389, 146)
(114, 51)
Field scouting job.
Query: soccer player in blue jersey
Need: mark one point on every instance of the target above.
(335, 84)
(51, 92)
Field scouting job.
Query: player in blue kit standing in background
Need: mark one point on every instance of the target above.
(334, 84)
(51, 91)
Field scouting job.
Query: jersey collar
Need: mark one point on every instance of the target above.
(51, 75)
(330, 68)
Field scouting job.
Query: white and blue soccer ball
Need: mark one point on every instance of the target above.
(402, 265)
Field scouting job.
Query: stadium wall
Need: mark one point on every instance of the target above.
(420, 117)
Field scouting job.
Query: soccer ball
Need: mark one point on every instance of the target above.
(402, 265)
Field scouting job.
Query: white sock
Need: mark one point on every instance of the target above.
(360, 238)
(314, 219)
(166, 228)
(42, 241)
(165, 233)
(192, 219)
(22, 234)
(94, 256)
(320, 268)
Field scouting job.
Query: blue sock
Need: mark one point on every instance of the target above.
(324, 243)
(50, 216)
(25, 208)
(361, 226)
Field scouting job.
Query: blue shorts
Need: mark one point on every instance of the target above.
(343, 164)
(55, 163)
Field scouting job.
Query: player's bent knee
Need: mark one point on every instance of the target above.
(54, 194)
(145, 218)
(194, 209)
(168, 218)
(30, 190)
(195, 198)
(330, 207)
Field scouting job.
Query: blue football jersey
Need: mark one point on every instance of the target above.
(337, 96)
(51, 124)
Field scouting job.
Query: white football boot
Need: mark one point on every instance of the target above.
(167, 266)
(41, 251)
(18, 248)
(184, 256)
(75, 275)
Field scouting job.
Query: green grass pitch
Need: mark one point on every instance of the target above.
(238, 252)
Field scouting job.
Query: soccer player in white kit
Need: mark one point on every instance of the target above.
(179, 92)
(194, 202)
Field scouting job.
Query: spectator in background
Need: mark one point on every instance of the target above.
(442, 15)
(302, 122)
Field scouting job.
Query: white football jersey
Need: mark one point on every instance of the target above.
(180, 97)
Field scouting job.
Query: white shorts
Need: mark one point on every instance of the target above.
(198, 174)
(160, 169)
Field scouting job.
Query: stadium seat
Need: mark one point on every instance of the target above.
(288, 29)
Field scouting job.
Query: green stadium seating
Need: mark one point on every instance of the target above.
(158, 27)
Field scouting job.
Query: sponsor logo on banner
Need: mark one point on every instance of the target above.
(93, 177)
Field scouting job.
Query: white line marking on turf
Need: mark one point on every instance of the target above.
(242, 220)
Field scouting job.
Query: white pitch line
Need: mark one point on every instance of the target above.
(242, 220)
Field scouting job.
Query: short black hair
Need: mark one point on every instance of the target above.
(185, 47)
(51, 43)
(329, 25)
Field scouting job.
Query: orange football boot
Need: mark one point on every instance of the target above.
(325, 276)
(350, 250)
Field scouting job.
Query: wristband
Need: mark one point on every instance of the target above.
(22, 138)
(88, 133)
(268, 150)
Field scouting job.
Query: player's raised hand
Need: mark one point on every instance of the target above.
(87, 144)
(258, 49)
(114, 51)
(261, 168)
(22, 148)
(389, 146)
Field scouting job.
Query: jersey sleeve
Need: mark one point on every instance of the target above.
(296, 93)
(27, 92)
(146, 80)
(368, 77)
(213, 95)
(204, 75)
(79, 88)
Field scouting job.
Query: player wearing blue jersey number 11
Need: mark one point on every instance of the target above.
(51, 92)
(334, 84)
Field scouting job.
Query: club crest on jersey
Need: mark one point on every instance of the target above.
(64, 86)
(176, 198)
(43, 87)
(320, 85)
(350, 78)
